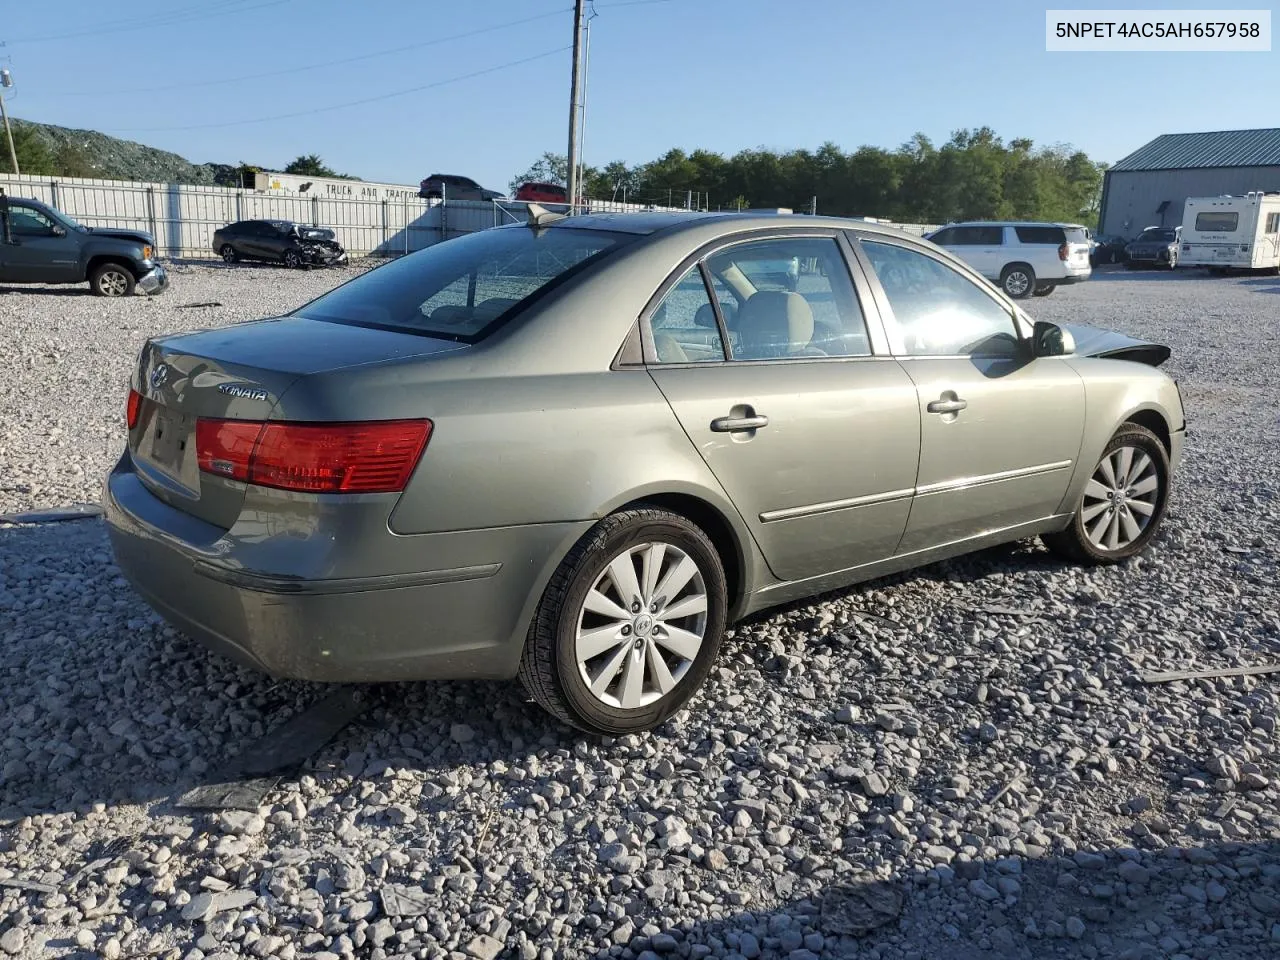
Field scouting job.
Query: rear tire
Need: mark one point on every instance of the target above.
(112, 280)
(1124, 503)
(1018, 280)
(603, 654)
(1044, 290)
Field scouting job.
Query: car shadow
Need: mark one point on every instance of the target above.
(1143, 274)
(1269, 284)
(120, 758)
(48, 291)
(1140, 902)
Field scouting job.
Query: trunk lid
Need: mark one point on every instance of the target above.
(237, 373)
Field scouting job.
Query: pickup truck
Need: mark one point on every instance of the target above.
(39, 244)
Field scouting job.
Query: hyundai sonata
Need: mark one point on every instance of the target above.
(573, 450)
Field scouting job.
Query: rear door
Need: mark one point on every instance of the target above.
(1000, 431)
(988, 245)
(792, 399)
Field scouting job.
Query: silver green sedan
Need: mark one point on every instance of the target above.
(573, 450)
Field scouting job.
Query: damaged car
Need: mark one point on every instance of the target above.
(279, 241)
(575, 450)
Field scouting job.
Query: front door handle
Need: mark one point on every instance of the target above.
(738, 424)
(954, 405)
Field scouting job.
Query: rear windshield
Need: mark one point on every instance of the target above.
(1220, 222)
(463, 289)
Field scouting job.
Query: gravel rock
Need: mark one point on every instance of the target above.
(1038, 792)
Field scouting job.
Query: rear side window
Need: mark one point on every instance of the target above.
(791, 297)
(464, 288)
(1055, 236)
(977, 236)
(1273, 223)
(1220, 221)
(684, 325)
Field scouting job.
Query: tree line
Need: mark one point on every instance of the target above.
(974, 175)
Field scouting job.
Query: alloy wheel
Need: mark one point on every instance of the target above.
(113, 283)
(1120, 499)
(1016, 283)
(641, 625)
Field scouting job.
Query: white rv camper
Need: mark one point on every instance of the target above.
(1232, 232)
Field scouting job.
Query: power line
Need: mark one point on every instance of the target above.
(224, 8)
(323, 65)
(350, 103)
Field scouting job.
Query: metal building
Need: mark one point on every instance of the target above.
(1149, 186)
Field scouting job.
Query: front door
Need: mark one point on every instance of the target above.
(812, 433)
(1000, 431)
(39, 250)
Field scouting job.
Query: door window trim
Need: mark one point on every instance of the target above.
(896, 341)
(877, 335)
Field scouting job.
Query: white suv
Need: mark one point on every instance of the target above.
(1023, 258)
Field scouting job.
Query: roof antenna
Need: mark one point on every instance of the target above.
(540, 216)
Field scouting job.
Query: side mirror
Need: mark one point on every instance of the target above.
(58, 230)
(1050, 340)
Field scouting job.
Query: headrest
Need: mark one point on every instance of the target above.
(773, 323)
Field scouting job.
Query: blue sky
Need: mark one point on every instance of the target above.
(719, 74)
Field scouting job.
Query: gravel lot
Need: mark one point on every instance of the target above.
(959, 758)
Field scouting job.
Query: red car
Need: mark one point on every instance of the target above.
(534, 192)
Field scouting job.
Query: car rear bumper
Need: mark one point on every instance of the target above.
(155, 280)
(457, 616)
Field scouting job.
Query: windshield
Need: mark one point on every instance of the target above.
(1157, 234)
(67, 222)
(462, 289)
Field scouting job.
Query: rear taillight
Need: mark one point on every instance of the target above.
(1064, 252)
(133, 408)
(373, 457)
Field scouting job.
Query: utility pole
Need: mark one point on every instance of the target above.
(6, 81)
(576, 88)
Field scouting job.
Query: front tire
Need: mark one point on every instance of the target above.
(112, 280)
(1018, 281)
(1123, 504)
(1044, 290)
(291, 259)
(629, 625)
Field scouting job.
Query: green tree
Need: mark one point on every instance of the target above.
(34, 155)
(974, 175)
(71, 160)
(310, 165)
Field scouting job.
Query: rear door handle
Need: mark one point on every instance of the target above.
(738, 424)
(947, 406)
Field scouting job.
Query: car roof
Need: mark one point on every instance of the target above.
(653, 221)
(1014, 223)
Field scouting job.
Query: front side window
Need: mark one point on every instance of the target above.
(788, 297)
(29, 222)
(940, 312)
(460, 290)
(684, 326)
(1217, 221)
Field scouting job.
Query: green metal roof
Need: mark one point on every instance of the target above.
(1223, 148)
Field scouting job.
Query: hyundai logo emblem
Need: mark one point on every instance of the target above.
(159, 375)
